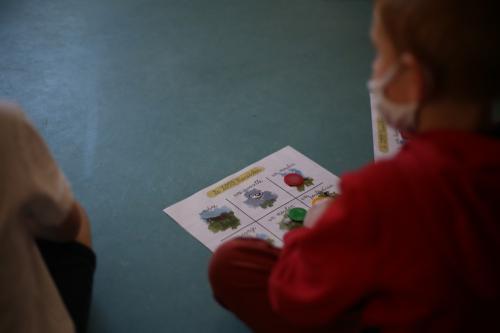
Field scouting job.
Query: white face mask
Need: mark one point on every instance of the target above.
(397, 115)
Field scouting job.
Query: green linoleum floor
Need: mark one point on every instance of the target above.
(146, 102)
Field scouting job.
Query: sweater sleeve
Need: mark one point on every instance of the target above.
(34, 185)
(325, 272)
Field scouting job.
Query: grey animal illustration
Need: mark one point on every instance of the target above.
(257, 198)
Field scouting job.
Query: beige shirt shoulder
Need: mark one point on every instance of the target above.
(31, 185)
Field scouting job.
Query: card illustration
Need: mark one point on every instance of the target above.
(325, 195)
(288, 224)
(257, 198)
(219, 219)
(292, 218)
(295, 178)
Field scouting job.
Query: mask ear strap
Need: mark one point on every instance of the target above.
(381, 83)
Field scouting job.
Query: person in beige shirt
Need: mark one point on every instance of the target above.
(46, 260)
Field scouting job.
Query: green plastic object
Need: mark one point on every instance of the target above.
(297, 214)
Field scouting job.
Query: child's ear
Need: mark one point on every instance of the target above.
(416, 75)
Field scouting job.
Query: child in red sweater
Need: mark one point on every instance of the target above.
(413, 243)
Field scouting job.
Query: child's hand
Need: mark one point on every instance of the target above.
(315, 213)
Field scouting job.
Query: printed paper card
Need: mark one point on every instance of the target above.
(255, 201)
(387, 141)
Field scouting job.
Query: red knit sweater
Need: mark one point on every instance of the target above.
(411, 245)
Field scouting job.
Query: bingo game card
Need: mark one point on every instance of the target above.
(264, 200)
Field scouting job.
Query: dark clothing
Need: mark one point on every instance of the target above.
(72, 266)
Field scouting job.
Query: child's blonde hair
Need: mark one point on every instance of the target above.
(457, 41)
